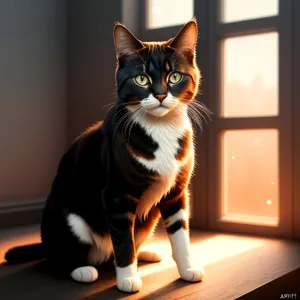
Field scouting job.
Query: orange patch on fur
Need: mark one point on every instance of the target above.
(185, 173)
(153, 195)
(143, 232)
(181, 185)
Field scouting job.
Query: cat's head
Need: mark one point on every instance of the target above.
(157, 77)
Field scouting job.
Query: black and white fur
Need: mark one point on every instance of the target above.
(118, 177)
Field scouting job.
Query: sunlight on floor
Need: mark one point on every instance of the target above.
(206, 249)
(211, 250)
(206, 252)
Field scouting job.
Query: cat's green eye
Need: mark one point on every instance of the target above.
(141, 80)
(175, 77)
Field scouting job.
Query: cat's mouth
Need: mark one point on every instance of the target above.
(158, 111)
(159, 108)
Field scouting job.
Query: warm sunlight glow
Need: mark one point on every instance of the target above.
(239, 10)
(246, 180)
(203, 253)
(207, 251)
(165, 13)
(250, 76)
(11, 241)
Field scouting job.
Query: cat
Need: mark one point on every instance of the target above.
(121, 175)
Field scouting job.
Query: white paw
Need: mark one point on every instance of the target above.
(130, 284)
(192, 274)
(150, 256)
(85, 274)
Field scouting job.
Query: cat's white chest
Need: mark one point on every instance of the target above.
(167, 137)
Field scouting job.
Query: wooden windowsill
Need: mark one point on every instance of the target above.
(234, 264)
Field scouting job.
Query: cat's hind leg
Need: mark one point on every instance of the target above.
(85, 274)
(149, 256)
(68, 243)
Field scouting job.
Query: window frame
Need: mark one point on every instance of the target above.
(296, 118)
(206, 203)
(218, 31)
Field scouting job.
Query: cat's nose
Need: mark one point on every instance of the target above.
(160, 97)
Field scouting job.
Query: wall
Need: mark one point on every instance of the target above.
(91, 61)
(32, 97)
(57, 73)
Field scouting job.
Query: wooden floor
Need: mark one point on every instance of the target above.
(234, 264)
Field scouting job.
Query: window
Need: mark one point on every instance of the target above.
(250, 76)
(165, 13)
(241, 10)
(250, 193)
(250, 186)
(246, 178)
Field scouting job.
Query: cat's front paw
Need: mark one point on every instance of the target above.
(130, 284)
(192, 274)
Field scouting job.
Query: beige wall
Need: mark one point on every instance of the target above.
(57, 64)
(32, 96)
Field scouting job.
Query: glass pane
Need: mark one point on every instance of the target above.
(249, 164)
(240, 10)
(165, 13)
(250, 76)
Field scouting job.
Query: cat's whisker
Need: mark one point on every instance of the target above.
(109, 104)
(202, 106)
(195, 115)
(119, 123)
(112, 104)
(131, 121)
(201, 110)
(125, 106)
(205, 113)
(196, 118)
(127, 123)
(123, 117)
(199, 113)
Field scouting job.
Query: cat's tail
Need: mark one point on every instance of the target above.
(26, 253)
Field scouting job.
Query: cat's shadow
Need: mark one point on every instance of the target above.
(34, 281)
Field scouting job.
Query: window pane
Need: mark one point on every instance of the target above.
(239, 10)
(250, 76)
(249, 179)
(165, 13)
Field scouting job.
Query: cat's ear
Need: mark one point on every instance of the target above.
(126, 43)
(186, 40)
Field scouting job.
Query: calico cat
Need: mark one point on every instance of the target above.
(119, 176)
